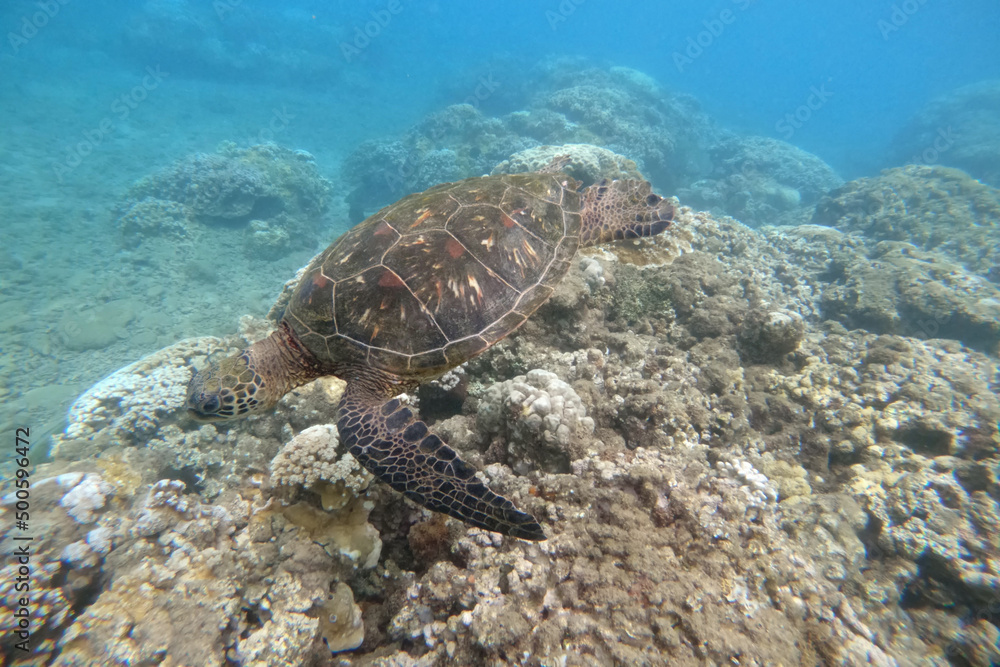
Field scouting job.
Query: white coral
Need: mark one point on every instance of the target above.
(586, 162)
(131, 401)
(313, 456)
(86, 498)
(755, 484)
(593, 273)
(537, 413)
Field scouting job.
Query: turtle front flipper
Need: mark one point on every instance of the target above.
(400, 450)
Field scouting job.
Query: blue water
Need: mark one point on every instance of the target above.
(880, 62)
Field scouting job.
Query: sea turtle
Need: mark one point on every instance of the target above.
(413, 291)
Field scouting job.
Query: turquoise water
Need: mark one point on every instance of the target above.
(95, 97)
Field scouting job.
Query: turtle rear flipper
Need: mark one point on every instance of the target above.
(401, 451)
(616, 210)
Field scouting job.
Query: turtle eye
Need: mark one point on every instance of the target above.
(210, 404)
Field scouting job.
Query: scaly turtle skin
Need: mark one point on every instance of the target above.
(417, 289)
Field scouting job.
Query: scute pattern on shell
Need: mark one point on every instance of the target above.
(432, 280)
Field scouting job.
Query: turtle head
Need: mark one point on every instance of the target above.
(228, 389)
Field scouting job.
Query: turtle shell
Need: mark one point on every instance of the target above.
(436, 278)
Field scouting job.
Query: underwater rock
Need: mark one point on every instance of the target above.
(934, 208)
(911, 419)
(174, 597)
(830, 524)
(296, 618)
(264, 240)
(588, 164)
(979, 643)
(285, 639)
(620, 110)
(149, 217)
(898, 289)
(769, 335)
(761, 181)
(613, 581)
(212, 186)
(69, 513)
(97, 327)
(454, 143)
(827, 504)
(960, 129)
(278, 188)
(195, 583)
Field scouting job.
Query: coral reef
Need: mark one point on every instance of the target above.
(899, 289)
(934, 208)
(182, 574)
(959, 129)
(454, 143)
(690, 442)
(266, 241)
(276, 192)
(769, 335)
(148, 217)
(761, 181)
(618, 109)
(211, 186)
(586, 163)
(628, 113)
(68, 545)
